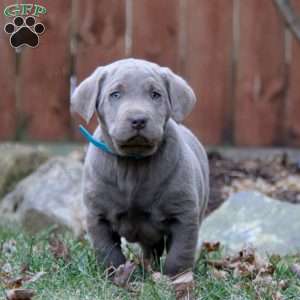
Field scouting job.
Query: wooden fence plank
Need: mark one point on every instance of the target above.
(45, 77)
(101, 38)
(155, 31)
(101, 30)
(261, 80)
(209, 66)
(7, 81)
(293, 95)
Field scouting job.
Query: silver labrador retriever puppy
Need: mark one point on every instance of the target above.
(153, 188)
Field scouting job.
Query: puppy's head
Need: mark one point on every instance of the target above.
(134, 99)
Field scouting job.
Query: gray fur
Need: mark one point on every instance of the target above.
(156, 200)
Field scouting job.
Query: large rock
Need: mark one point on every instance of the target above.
(251, 218)
(16, 162)
(51, 195)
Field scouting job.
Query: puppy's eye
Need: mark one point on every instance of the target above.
(155, 95)
(115, 95)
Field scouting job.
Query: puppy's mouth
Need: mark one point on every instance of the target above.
(137, 145)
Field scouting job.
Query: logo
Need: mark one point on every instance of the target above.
(24, 30)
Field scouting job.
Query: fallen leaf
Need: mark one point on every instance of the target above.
(219, 263)
(35, 277)
(245, 270)
(59, 249)
(277, 296)
(123, 274)
(19, 294)
(13, 283)
(295, 268)
(135, 288)
(184, 285)
(246, 263)
(157, 277)
(266, 280)
(219, 274)
(268, 269)
(260, 262)
(211, 246)
(247, 255)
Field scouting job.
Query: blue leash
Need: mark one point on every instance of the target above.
(100, 144)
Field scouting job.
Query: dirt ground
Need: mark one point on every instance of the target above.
(276, 177)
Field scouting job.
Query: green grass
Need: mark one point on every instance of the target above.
(80, 278)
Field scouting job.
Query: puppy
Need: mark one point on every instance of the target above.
(151, 183)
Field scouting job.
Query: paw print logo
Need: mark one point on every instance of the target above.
(24, 32)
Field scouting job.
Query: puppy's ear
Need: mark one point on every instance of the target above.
(84, 98)
(181, 96)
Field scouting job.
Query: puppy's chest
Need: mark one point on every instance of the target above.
(134, 194)
(135, 187)
(135, 198)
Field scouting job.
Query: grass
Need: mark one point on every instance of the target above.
(79, 277)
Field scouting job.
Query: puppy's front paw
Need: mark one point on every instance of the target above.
(123, 274)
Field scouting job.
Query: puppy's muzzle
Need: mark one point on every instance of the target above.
(137, 143)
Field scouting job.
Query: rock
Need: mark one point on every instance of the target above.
(251, 218)
(78, 154)
(51, 195)
(16, 162)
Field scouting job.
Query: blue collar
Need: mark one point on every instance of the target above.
(100, 144)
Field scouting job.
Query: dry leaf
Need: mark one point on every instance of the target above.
(211, 246)
(35, 277)
(123, 273)
(13, 283)
(219, 263)
(266, 270)
(245, 264)
(247, 255)
(295, 268)
(157, 276)
(277, 296)
(219, 274)
(19, 294)
(260, 262)
(59, 249)
(266, 280)
(184, 285)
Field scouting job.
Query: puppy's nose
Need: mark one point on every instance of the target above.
(138, 123)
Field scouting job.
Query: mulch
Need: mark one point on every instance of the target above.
(276, 177)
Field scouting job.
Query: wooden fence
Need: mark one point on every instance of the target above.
(239, 57)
